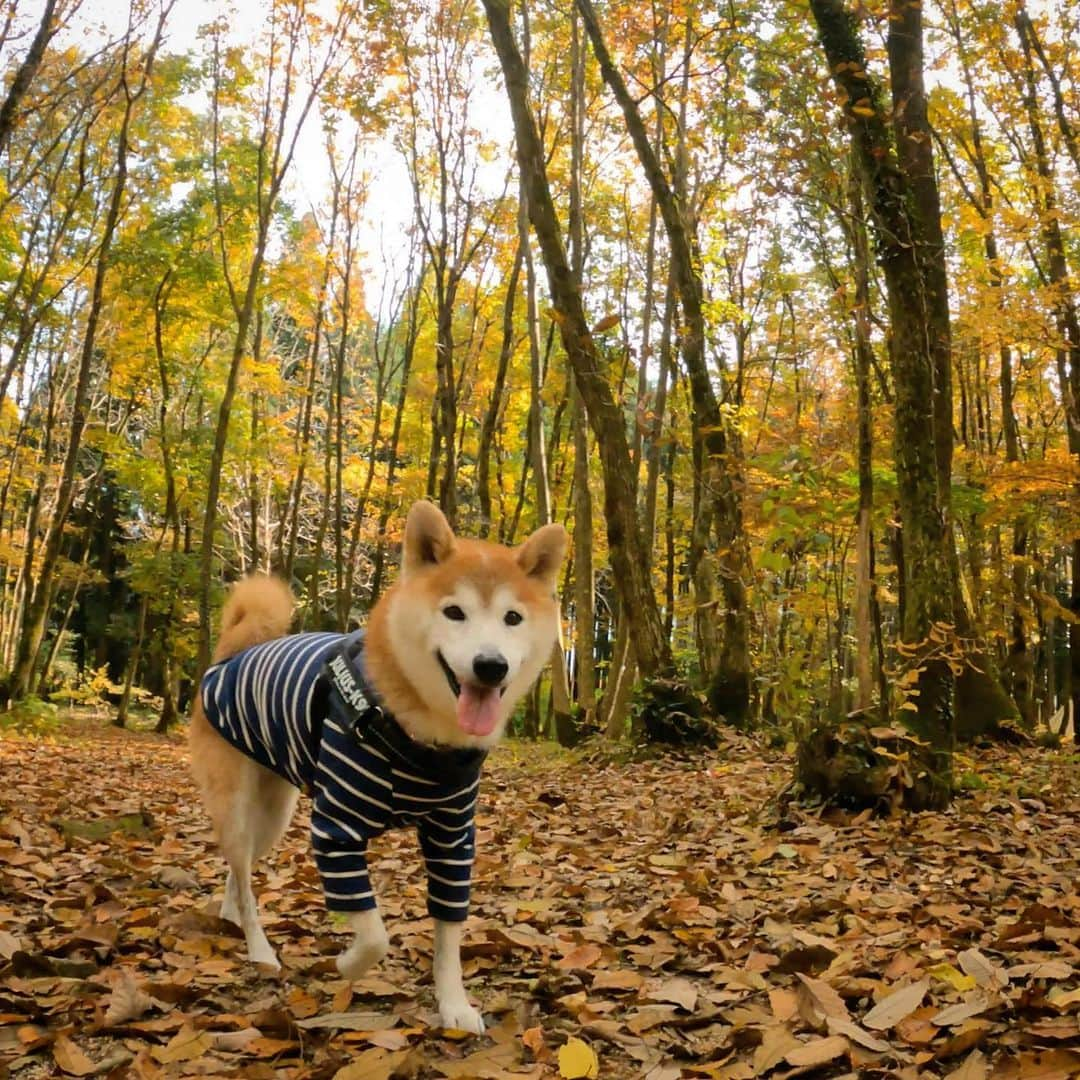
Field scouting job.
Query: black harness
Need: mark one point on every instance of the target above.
(354, 704)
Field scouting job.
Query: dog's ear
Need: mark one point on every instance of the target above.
(542, 554)
(428, 537)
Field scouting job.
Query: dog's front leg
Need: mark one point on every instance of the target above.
(370, 944)
(454, 1008)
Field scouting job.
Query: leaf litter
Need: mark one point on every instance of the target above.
(663, 918)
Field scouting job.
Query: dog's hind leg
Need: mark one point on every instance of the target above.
(249, 807)
(277, 801)
(241, 837)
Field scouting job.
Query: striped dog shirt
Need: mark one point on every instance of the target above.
(301, 707)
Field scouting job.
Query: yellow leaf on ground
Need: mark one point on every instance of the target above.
(374, 1064)
(954, 977)
(577, 1059)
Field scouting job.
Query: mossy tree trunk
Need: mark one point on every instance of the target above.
(895, 164)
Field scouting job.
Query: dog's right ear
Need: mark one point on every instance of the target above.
(428, 538)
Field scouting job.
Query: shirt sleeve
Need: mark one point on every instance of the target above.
(449, 849)
(341, 856)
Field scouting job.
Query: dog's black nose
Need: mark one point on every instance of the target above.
(490, 668)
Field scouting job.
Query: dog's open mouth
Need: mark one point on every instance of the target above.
(477, 706)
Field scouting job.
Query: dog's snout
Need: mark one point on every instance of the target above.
(490, 668)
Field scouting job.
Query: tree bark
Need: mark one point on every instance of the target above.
(37, 608)
(24, 74)
(904, 208)
(729, 676)
(624, 535)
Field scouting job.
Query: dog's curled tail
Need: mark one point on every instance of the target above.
(259, 608)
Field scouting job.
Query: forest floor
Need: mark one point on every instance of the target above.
(660, 918)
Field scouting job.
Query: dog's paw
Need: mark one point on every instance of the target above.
(461, 1016)
(264, 954)
(361, 956)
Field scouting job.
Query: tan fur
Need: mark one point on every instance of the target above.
(259, 608)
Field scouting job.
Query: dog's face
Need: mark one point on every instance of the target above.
(473, 623)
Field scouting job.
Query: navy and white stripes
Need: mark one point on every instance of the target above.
(272, 702)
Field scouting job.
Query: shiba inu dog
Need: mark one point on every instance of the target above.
(383, 728)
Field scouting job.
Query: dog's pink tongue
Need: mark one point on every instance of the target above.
(478, 709)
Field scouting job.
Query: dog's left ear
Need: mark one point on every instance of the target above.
(428, 538)
(542, 554)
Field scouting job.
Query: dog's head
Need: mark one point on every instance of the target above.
(471, 624)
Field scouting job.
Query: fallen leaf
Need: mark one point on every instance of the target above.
(234, 1041)
(70, 1058)
(533, 1038)
(680, 991)
(774, 1047)
(349, 1021)
(973, 1068)
(376, 1064)
(956, 979)
(176, 877)
(127, 1002)
(784, 1002)
(841, 1025)
(987, 974)
(577, 1059)
(818, 1051)
(186, 1045)
(972, 1005)
(818, 1000)
(888, 1012)
(584, 956)
(622, 979)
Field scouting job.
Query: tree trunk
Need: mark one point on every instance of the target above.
(1067, 317)
(864, 537)
(24, 74)
(36, 611)
(729, 677)
(625, 542)
(904, 207)
(498, 391)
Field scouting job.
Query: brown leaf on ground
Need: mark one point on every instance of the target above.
(656, 911)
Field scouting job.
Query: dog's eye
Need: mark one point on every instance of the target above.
(512, 618)
(454, 613)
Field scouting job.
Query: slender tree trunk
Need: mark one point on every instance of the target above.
(864, 537)
(729, 676)
(24, 74)
(498, 391)
(624, 534)
(1067, 316)
(37, 608)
